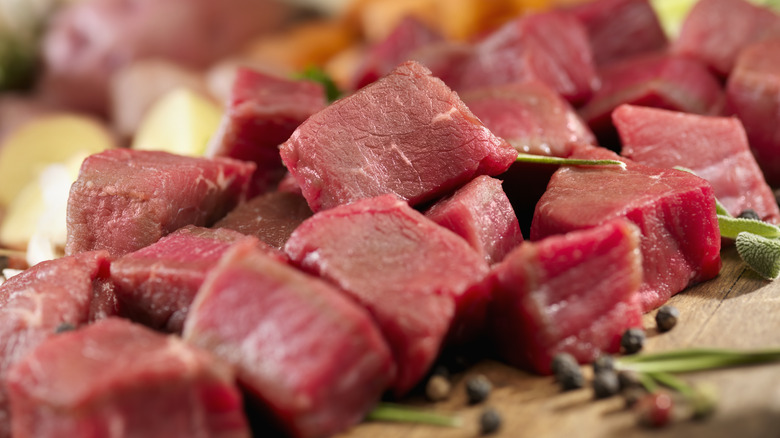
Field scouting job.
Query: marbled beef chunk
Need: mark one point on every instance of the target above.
(530, 116)
(716, 31)
(34, 304)
(674, 210)
(574, 293)
(715, 148)
(406, 134)
(262, 112)
(157, 284)
(115, 378)
(271, 217)
(753, 93)
(124, 200)
(413, 275)
(309, 354)
(480, 213)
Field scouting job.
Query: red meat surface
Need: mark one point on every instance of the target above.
(753, 93)
(674, 210)
(115, 378)
(262, 112)
(661, 81)
(124, 200)
(413, 275)
(480, 213)
(574, 293)
(550, 47)
(406, 134)
(36, 302)
(715, 148)
(309, 354)
(271, 217)
(716, 31)
(157, 284)
(530, 116)
(618, 29)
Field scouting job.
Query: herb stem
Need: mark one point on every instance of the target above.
(674, 383)
(529, 158)
(696, 360)
(406, 414)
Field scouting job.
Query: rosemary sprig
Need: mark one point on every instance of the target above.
(407, 414)
(696, 359)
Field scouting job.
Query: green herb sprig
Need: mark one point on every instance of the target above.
(407, 414)
(541, 159)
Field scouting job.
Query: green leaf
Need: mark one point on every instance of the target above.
(731, 226)
(406, 414)
(316, 74)
(760, 253)
(542, 159)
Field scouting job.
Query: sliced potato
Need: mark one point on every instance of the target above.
(181, 122)
(43, 141)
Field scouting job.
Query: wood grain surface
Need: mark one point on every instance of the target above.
(737, 309)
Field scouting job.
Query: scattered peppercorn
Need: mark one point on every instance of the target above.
(64, 327)
(632, 340)
(478, 389)
(604, 362)
(605, 384)
(629, 379)
(567, 371)
(749, 214)
(438, 388)
(666, 318)
(489, 421)
(655, 410)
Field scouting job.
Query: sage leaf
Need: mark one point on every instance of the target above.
(542, 159)
(731, 226)
(760, 253)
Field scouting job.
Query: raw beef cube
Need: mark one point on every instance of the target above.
(406, 134)
(312, 356)
(716, 31)
(715, 148)
(262, 112)
(619, 29)
(124, 200)
(574, 293)
(409, 35)
(115, 378)
(661, 81)
(674, 210)
(480, 213)
(271, 217)
(550, 47)
(35, 303)
(753, 93)
(414, 276)
(156, 284)
(530, 116)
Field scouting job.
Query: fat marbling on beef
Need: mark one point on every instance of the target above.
(413, 275)
(753, 93)
(156, 284)
(530, 116)
(481, 213)
(674, 210)
(35, 303)
(271, 217)
(310, 355)
(714, 148)
(574, 293)
(262, 112)
(115, 378)
(406, 134)
(124, 199)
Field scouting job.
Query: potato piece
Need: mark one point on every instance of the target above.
(46, 140)
(181, 122)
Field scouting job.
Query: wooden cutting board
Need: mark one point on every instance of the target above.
(737, 309)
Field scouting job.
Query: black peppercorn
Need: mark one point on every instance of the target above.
(629, 379)
(478, 389)
(605, 384)
(64, 327)
(489, 421)
(567, 371)
(749, 214)
(666, 318)
(604, 362)
(633, 340)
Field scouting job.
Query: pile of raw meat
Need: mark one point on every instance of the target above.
(301, 282)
